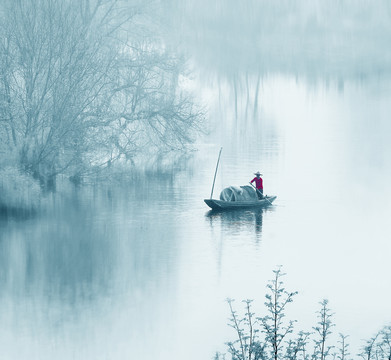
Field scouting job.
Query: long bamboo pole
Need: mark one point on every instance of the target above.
(214, 179)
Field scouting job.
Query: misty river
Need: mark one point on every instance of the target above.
(142, 271)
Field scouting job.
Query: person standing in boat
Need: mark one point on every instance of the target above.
(258, 184)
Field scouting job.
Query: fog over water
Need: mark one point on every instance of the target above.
(141, 270)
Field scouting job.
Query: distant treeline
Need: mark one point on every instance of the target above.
(235, 45)
(310, 38)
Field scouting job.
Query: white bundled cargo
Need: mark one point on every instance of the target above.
(238, 193)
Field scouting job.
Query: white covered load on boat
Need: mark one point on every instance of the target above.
(239, 193)
(239, 197)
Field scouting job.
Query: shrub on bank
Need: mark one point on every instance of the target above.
(272, 337)
(18, 191)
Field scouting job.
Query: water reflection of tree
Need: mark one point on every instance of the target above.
(67, 259)
(92, 243)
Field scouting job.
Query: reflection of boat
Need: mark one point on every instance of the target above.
(239, 204)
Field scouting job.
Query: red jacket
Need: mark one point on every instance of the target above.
(258, 182)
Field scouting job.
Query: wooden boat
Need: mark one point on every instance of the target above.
(234, 197)
(229, 205)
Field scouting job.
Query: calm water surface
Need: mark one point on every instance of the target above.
(142, 271)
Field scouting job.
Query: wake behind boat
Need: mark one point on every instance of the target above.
(239, 197)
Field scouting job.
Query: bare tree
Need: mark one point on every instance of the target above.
(81, 89)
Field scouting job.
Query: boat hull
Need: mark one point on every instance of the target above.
(230, 205)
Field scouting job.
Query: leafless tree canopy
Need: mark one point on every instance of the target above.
(85, 83)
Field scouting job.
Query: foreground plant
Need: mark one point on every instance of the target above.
(272, 337)
(323, 330)
(249, 345)
(274, 327)
(379, 346)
